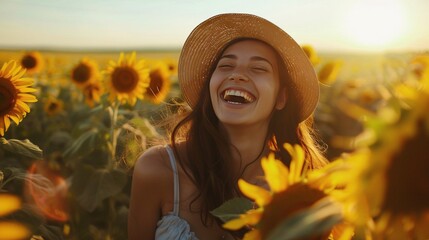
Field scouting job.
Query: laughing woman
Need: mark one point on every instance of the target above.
(251, 88)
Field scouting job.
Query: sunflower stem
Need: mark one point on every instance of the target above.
(112, 216)
(113, 110)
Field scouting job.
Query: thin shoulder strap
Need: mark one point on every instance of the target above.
(176, 180)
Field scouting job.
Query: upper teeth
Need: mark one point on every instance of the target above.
(238, 93)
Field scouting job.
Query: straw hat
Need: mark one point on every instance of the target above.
(208, 39)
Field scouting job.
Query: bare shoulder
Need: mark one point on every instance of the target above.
(152, 182)
(153, 163)
(151, 186)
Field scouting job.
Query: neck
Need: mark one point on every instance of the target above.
(248, 142)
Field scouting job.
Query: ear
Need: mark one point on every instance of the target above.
(281, 99)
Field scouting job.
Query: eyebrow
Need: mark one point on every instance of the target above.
(254, 58)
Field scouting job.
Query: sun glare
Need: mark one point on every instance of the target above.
(375, 25)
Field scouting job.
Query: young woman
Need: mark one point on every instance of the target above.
(251, 89)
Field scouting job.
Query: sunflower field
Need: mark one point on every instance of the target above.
(72, 125)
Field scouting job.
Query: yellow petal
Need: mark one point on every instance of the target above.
(15, 119)
(16, 70)
(276, 174)
(329, 72)
(132, 58)
(9, 203)
(21, 73)
(320, 175)
(22, 106)
(16, 113)
(23, 82)
(254, 234)
(121, 59)
(251, 217)
(311, 54)
(260, 195)
(2, 128)
(9, 69)
(27, 90)
(344, 234)
(235, 224)
(6, 122)
(297, 162)
(27, 97)
(3, 68)
(13, 230)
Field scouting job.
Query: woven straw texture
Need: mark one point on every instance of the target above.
(209, 38)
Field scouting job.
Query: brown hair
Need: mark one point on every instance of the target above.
(208, 150)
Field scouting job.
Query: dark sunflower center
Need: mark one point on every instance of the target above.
(408, 175)
(7, 96)
(53, 107)
(28, 62)
(81, 73)
(125, 79)
(284, 204)
(156, 83)
(171, 67)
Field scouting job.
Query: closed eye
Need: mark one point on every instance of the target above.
(225, 66)
(260, 69)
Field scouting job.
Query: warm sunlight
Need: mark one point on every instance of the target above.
(375, 26)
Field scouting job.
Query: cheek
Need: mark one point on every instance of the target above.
(270, 88)
(213, 87)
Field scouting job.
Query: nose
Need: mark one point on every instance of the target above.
(238, 76)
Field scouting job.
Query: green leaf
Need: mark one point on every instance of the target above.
(84, 144)
(22, 147)
(142, 126)
(316, 220)
(92, 186)
(232, 209)
(11, 173)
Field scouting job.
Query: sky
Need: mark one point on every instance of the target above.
(327, 25)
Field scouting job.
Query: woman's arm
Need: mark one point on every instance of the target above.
(146, 195)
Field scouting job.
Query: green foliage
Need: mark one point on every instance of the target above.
(92, 186)
(83, 144)
(21, 147)
(232, 209)
(318, 219)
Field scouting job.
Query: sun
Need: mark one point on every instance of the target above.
(375, 25)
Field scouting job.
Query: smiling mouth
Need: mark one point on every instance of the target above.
(237, 96)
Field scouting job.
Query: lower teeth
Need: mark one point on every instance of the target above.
(234, 102)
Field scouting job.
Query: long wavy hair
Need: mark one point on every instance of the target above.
(208, 150)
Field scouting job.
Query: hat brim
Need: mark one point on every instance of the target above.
(209, 38)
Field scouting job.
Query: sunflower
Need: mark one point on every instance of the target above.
(329, 72)
(171, 65)
(403, 192)
(10, 203)
(128, 79)
(311, 54)
(33, 62)
(13, 230)
(15, 94)
(292, 190)
(86, 71)
(420, 66)
(159, 85)
(393, 177)
(53, 106)
(92, 92)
